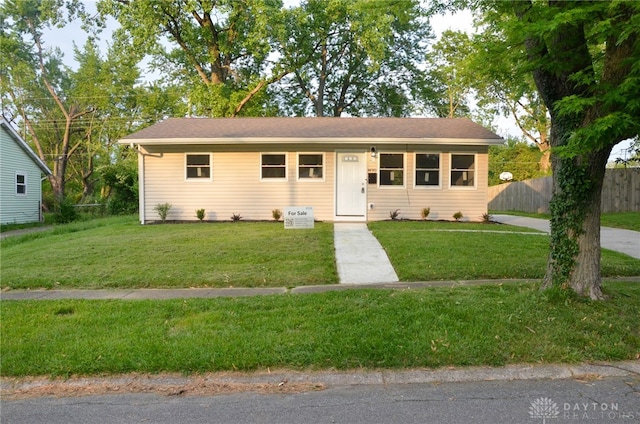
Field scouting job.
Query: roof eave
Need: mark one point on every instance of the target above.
(309, 140)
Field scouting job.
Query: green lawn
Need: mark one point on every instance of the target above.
(436, 327)
(425, 251)
(624, 220)
(119, 252)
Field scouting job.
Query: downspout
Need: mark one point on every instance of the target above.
(40, 212)
(141, 201)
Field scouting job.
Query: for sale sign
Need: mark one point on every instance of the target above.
(296, 217)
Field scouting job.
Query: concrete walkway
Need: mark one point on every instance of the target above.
(360, 258)
(623, 241)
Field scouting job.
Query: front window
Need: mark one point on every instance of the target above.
(21, 184)
(428, 169)
(463, 170)
(310, 166)
(273, 166)
(198, 166)
(391, 169)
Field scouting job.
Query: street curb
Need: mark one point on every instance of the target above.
(324, 379)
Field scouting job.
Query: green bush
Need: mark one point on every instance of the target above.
(163, 210)
(65, 212)
(121, 185)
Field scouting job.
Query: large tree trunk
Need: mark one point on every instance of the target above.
(586, 279)
(574, 258)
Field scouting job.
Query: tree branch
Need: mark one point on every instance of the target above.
(173, 27)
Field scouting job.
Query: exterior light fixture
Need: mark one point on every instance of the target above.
(373, 151)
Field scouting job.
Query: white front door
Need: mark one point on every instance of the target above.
(351, 185)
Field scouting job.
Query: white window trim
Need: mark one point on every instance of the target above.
(475, 170)
(23, 174)
(286, 168)
(415, 170)
(404, 171)
(200, 180)
(311, 180)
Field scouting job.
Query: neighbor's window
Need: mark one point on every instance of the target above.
(310, 166)
(463, 170)
(273, 166)
(391, 169)
(198, 166)
(21, 184)
(428, 169)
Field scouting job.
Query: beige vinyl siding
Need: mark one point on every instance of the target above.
(235, 187)
(443, 201)
(18, 208)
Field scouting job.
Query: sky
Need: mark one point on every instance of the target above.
(65, 38)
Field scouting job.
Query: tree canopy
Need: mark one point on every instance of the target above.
(218, 51)
(352, 57)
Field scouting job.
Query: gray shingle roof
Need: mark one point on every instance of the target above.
(217, 130)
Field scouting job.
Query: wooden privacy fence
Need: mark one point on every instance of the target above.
(620, 193)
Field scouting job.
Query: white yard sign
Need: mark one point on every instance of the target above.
(298, 217)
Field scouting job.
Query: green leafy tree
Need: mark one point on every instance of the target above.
(35, 83)
(71, 117)
(217, 50)
(585, 60)
(519, 158)
(120, 186)
(449, 81)
(507, 87)
(351, 57)
(110, 88)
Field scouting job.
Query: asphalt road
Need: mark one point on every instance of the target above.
(597, 400)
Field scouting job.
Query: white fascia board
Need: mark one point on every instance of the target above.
(317, 140)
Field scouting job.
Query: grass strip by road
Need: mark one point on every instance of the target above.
(121, 253)
(436, 327)
(426, 251)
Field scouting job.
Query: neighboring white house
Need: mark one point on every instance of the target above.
(20, 179)
(347, 169)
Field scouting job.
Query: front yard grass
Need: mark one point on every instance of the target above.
(425, 251)
(121, 253)
(373, 329)
(624, 220)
